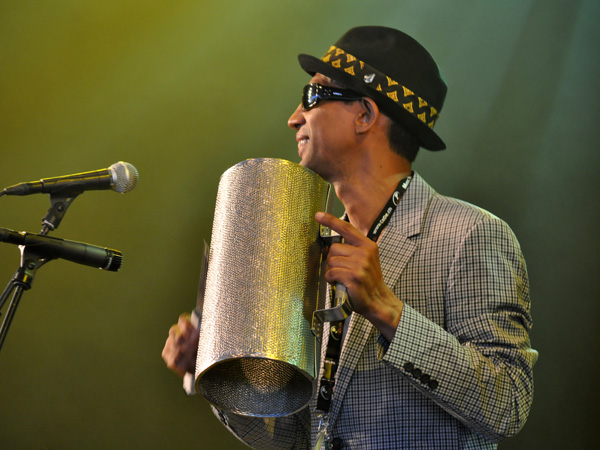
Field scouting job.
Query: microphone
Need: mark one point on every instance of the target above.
(52, 248)
(121, 177)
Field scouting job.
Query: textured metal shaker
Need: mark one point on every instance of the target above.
(256, 353)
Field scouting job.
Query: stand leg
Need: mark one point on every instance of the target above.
(12, 308)
(31, 261)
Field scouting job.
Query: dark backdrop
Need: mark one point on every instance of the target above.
(185, 89)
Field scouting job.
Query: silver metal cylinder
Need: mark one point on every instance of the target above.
(257, 355)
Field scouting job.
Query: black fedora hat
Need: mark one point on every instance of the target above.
(394, 70)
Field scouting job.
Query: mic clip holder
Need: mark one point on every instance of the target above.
(59, 203)
(342, 306)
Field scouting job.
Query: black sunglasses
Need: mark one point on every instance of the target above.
(314, 93)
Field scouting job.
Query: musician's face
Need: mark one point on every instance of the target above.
(325, 134)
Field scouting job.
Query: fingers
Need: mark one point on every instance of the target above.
(184, 324)
(351, 269)
(358, 255)
(350, 234)
(184, 319)
(181, 346)
(355, 263)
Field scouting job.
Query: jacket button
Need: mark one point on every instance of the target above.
(409, 367)
(433, 384)
(337, 444)
(425, 378)
(417, 373)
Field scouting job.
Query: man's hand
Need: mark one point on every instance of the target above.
(355, 264)
(181, 347)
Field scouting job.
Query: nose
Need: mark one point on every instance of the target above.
(297, 118)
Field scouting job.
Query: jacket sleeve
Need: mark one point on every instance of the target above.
(478, 365)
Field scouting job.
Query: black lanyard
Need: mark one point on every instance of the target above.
(334, 343)
(385, 214)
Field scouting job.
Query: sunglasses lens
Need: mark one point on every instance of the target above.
(313, 93)
(310, 96)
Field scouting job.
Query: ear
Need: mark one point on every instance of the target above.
(368, 115)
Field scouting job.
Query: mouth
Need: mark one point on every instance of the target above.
(302, 141)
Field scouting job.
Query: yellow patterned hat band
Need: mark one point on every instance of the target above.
(373, 78)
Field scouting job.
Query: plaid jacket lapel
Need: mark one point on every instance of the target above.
(395, 250)
(396, 246)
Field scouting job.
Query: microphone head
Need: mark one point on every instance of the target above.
(114, 259)
(125, 176)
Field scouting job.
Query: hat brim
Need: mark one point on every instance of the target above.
(428, 139)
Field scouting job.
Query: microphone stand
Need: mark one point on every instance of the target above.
(31, 260)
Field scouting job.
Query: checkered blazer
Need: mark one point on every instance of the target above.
(458, 373)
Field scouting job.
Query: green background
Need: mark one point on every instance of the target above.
(185, 89)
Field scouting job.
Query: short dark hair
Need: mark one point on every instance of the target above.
(402, 141)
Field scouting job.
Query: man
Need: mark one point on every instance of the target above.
(436, 354)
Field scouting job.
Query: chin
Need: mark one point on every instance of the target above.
(307, 164)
